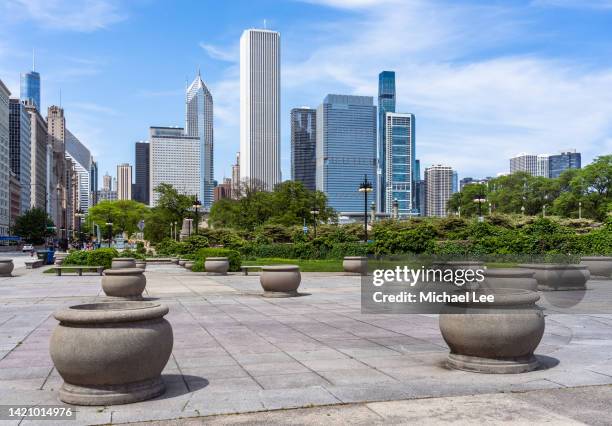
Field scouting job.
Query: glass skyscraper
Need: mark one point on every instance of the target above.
(141, 182)
(400, 163)
(559, 163)
(386, 103)
(303, 146)
(346, 150)
(199, 123)
(30, 88)
(20, 150)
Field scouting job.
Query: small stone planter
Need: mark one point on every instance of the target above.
(127, 283)
(6, 267)
(216, 265)
(59, 258)
(494, 337)
(355, 265)
(141, 264)
(181, 262)
(559, 276)
(123, 262)
(189, 264)
(509, 278)
(600, 266)
(280, 280)
(111, 353)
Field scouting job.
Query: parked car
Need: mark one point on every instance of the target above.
(27, 247)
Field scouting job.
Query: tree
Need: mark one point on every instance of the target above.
(123, 214)
(34, 226)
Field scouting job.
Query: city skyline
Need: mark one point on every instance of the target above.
(453, 85)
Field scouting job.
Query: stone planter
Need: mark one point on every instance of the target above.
(600, 266)
(280, 280)
(59, 258)
(559, 276)
(111, 353)
(123, 262)
(216, 265)
(494, 337)
(175, 260)
(509, 278)
(189, 264)
(127, 283)
(141, 264)
(6, 267)
(355, 265)
(181, 262)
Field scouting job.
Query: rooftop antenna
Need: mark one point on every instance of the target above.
(199, 71)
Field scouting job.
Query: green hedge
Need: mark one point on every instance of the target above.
(98, 257)
(305, 250)
(201, 255)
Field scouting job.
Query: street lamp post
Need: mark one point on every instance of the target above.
(315, 213)
(196, 205)
(579, 209)
(110, 232)
(523, 210)
(395, 208)
(365, 187)
(480, 200)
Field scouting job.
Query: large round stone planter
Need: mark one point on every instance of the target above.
(495, 337)
(216, 265)
(181, 262)
(600, 266)
(111, 353)
(141, 264)
(355, 265)
(127, 283)
(6, 267)
(189, 264)
(123, 262)
(280, 280)
(559, 276)
(509, 278)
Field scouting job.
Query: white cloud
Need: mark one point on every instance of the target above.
(229, 55)
(80, 16)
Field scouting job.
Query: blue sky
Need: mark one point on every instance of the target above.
(486, 79)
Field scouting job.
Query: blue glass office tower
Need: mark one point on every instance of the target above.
(346, 150)
(400, 164)
(30, 88)
(303, 146)
(386, 103)
(557, 164)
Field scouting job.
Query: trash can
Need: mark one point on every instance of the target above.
(50, 257)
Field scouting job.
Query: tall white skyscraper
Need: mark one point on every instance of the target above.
(4, 159)
(124, 182)
(81, 158)
(438, 188)
(524, 163)
(199, 123)
(260, 107)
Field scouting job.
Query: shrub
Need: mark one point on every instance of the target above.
(192, 244)
(232, 255)
(131, 253)
(167, 247)
(76, 257)
(101, 257)
(140, 248)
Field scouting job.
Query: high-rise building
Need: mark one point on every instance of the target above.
(561, 162)
(236, 177)
(124, 182)
(141, 182)
(20, 150)
(93, 182)
(175, 160)
(304, 146)
(386, 103)
(107, 182)
(199, 123)
(455, 182)
(223, 190)
(30, 88)
(346, 149)
(399, 163)
(543, 165)
(81, 161)
(38, 157)
(524, 163)
(4, 159)
(58, 195)
(260, 107)
(439, 186)
(14, 198)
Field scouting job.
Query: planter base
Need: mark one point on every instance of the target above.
(277, 294)
(120, 298)
(216, 274)
(492, 366)
(570, 288)
(111, 394)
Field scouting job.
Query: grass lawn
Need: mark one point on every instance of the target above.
(328, 265)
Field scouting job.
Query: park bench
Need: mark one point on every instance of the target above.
(245, 269)
(78, 269)
(34, 263)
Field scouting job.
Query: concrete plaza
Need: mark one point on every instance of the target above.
(236, 352)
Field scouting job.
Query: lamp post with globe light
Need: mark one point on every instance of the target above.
(365, 187)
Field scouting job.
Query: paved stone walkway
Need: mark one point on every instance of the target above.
(237, 352)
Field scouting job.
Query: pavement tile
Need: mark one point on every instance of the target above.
(293, 380)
